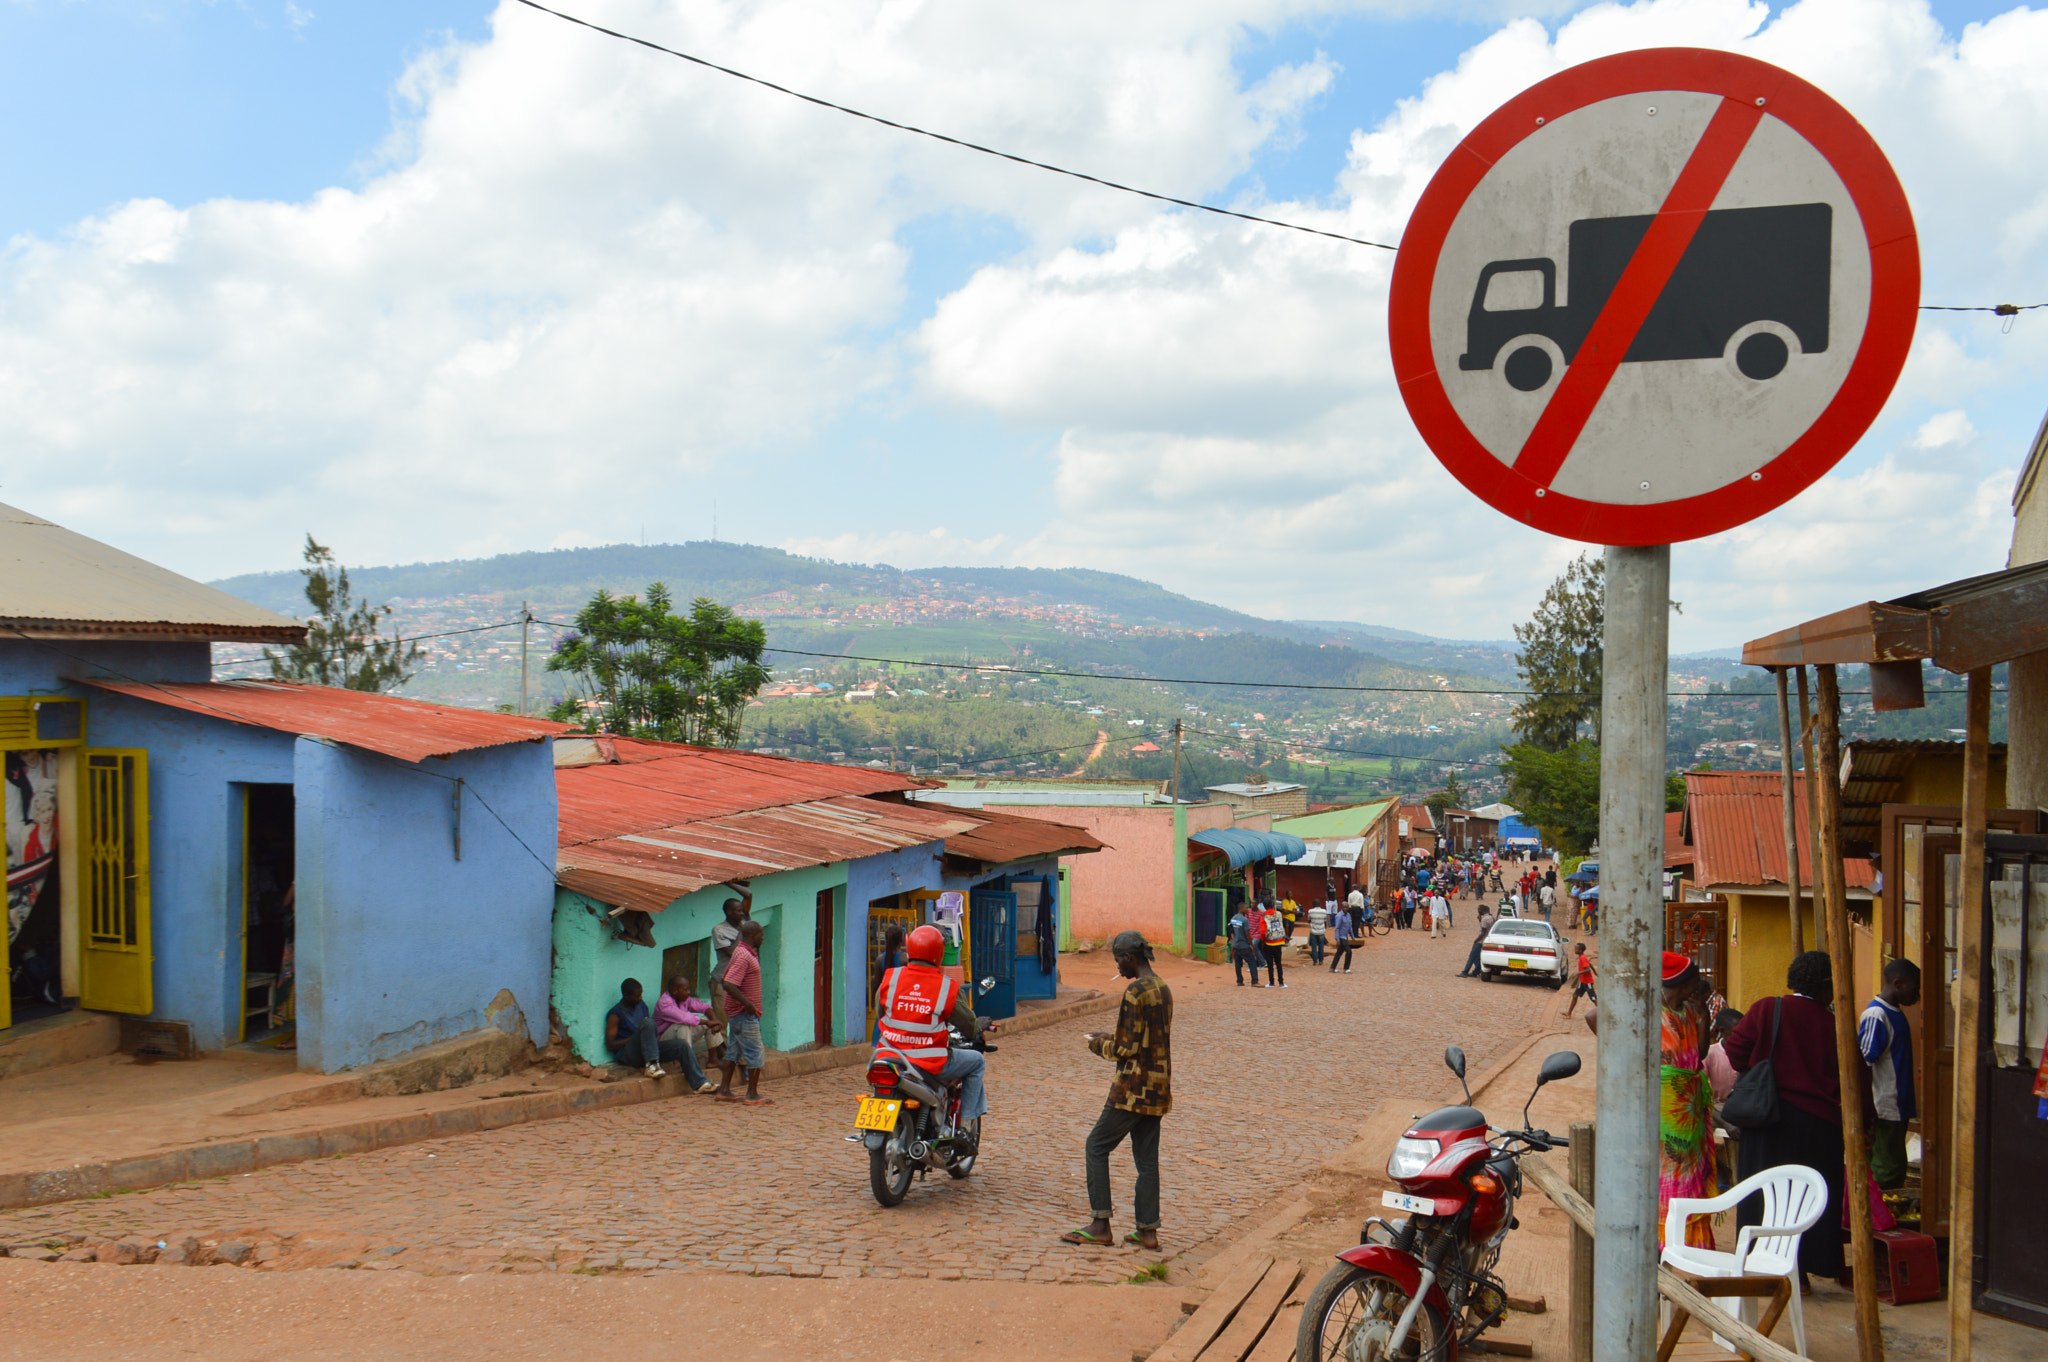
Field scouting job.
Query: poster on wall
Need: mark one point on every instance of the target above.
(29, 796)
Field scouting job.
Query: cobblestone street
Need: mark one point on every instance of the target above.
(1266, 1084)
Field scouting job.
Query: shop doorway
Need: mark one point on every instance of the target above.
(269, 917)
(821, 972)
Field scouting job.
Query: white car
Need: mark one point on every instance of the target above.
(1526, 948)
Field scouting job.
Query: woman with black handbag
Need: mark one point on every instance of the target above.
(1793, 1037)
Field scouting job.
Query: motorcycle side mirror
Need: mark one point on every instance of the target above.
(1562, 1064)
(987, 984)
(1454, 1060)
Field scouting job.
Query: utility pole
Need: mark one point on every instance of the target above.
(1174, 789)
(1636, 652)
(525, 629)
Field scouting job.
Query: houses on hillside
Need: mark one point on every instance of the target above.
(355, 875)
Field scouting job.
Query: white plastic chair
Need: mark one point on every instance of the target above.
(1795, 1198)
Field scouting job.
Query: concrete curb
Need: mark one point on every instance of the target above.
(225, 1158)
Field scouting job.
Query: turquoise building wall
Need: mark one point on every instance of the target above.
(590, 960)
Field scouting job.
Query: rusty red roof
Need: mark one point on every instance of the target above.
(1734, 822)
(1004, 837)
(643, 823)
(1676, 852)
(411, 730)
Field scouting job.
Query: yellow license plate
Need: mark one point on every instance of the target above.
(877, 1113)
(1518, 964)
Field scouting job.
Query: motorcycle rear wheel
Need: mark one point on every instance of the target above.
(1349, 1301)
(961, 1168)
(889, 1190)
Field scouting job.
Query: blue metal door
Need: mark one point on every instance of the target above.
(1209, 915)
(992, 919)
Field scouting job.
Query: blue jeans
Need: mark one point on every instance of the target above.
(640, 1049)
(967, 1066)
(676, 1049)
(743, 1042)
(1315, 948)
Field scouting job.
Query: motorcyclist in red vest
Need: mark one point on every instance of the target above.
(915, 1004)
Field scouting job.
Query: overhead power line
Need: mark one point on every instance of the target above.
(2007, 310)
(950, 140)
(400, 638)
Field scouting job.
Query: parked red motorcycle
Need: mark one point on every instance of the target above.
(1418, 1288)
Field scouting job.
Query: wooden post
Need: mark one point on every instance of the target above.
(1820, 917)
(1829, 870)
(1581, 1280)
(1793, 914)
(1962, 1181)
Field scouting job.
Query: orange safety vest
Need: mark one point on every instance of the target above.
(915, 1000)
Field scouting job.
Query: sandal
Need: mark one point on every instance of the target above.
(1082, 1236)
(1137, 1240)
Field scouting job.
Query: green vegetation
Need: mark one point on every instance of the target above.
(647, 672)
(342, 646)
(925, 733)
(1559, 658)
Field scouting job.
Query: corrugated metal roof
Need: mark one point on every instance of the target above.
(1676, 852)
(1005, 837)
(411, 730)
(55, 583)
(651, 868)
(650, 822)
(1734, 821)
(1342, 822)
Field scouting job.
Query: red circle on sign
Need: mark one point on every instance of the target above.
(1880, 353)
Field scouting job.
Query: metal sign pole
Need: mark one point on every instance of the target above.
(1635, 661)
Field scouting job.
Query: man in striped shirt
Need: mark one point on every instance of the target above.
(1885, 1038)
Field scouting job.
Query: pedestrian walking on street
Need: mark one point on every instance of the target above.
(1439, 914)
(742, 985)
(1347, 929)
(1276, 948)
(1582, 986)
(1318, 924)
(1139, 1096)
(1244, 947)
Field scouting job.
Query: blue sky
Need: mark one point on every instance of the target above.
(433, 279)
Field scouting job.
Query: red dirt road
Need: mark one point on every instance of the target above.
(168, 1314)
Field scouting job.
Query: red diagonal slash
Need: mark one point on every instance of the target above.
(1637, 291)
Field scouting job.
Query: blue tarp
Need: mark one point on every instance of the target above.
(1513, 829)
(1245, 845)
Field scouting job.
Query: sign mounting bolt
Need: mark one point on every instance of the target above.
(1759, 101)
(1653, 111)
(1541, 492)
(1539, 122)
(1646, 486)
(1756, 477)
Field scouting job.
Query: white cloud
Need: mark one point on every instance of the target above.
(1230, 383)
(579, 282)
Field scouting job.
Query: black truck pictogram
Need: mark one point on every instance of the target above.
(1743, 265)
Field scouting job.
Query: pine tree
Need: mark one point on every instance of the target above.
(342, 646)
(1560, 658)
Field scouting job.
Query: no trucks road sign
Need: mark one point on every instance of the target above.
(1654, 296)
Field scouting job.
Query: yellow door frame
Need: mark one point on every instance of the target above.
(116, 957)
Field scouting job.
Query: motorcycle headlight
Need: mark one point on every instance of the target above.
(1411, 1156)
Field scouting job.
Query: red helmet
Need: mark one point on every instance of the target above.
(927, 944)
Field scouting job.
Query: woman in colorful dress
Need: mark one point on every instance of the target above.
(1684, 1124)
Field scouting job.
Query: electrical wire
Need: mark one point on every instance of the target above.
(1999, 309)
(948, 139)
(335, 652)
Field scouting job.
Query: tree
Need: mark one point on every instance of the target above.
(1674, 792)
(1558, 791)
(342, 646)
(1451, 796)
(650, 673)
(1559, 660)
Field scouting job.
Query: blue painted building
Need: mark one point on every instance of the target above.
(351, 873)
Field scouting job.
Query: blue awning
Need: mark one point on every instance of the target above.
(1243, 846)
